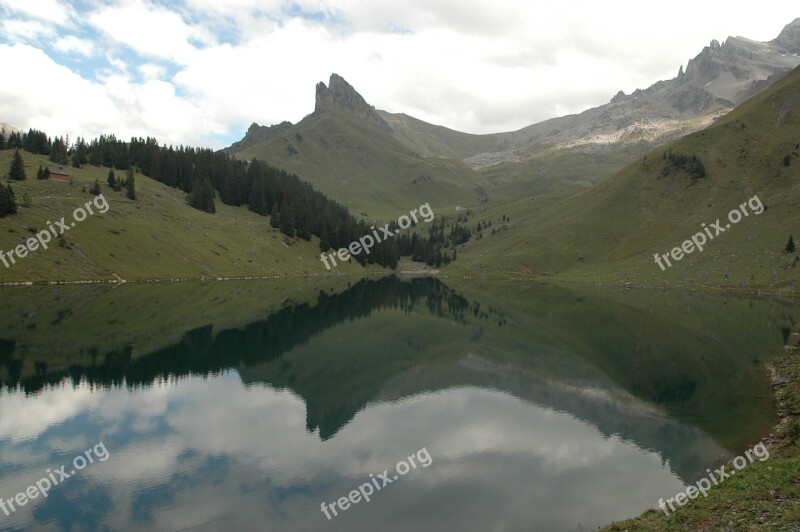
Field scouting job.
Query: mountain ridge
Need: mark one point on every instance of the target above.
(610, 232)
(563, 153)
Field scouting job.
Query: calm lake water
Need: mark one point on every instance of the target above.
(245, 406)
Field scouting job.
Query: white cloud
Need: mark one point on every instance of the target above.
(23, 417)
(25, 30)
(48, 10)
(472, 65)
(158, 434)
(150, 30)
(73, 44)
(88, 108)
(150, 71)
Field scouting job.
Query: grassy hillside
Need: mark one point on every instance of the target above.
(538, 168)
(156, 236)
(610, 232)
(430, 140)
(541, 158)
(366, 169)
(557, 170)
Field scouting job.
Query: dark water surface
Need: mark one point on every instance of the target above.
(245, 406)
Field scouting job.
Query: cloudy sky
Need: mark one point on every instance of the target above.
(200, 71)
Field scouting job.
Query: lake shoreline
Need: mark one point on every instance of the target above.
(765, 494)
(720, 290)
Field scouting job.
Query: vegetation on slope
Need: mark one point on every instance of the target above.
(611, 232)
(156, 236)
(292, 205)
(366, 169)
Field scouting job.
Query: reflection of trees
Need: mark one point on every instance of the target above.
(200, 352)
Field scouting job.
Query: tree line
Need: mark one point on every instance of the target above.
(292, 205)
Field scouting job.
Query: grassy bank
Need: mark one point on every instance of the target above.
(157, 236)
(763, 495)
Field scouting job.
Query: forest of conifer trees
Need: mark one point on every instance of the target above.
(292, 205)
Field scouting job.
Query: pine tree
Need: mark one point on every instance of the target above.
(17, 170)
(58, 151)
(790, 245)
(8, 204)
(26, 200)
(324, 238)
(112, 180)
(95, 188)
(304, 224)
(79, 157)
(275, 217)
(41, 173)
(130, 187)
(202, 195)
(287, 219)
(2, 139)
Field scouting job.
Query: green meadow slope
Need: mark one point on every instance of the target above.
(607, 233)
(430, 140)
(157, 236)
(610, 232)
(366, 169)
(539, 169)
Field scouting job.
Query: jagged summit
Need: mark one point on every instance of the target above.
(722, 75)
(340, 95)
(789, 38)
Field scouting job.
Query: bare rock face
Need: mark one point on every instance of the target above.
(720, 77)
(694, 100)
(728, 71)
(789, 38)
(620, 97)
(340, 95)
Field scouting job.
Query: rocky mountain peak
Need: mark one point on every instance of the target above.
(739, 67)
(620, 97)
(340, 95)
(789, 38)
